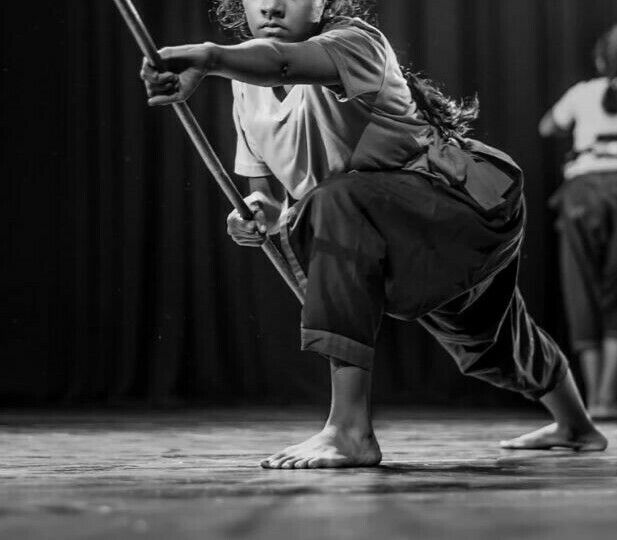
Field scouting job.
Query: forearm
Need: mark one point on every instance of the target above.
(548, 126)
(270, 195)
(264, 62)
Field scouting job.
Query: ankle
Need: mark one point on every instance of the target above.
(350, 428)
(575, 429)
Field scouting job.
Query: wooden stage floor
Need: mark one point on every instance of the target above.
(193, 474)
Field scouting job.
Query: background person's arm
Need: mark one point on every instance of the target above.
(548, 126)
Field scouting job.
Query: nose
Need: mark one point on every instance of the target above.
(273, 9)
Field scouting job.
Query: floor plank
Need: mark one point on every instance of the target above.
(193, 474)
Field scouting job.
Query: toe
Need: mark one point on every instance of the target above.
(301, 464)
(278, 463)
(288, 463)
(267, 463)
(509, 445)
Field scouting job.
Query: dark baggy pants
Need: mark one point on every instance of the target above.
(588, 232)
(365, 244)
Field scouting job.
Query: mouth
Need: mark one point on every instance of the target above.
(272, 26)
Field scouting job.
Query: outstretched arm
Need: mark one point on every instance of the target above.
(261, 62)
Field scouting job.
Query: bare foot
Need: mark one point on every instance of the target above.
(555, 436)
(332, 448)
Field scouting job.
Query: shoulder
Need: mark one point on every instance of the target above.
(585, 89)
(341, 26)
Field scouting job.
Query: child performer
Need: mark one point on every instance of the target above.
(588, 214)
(398, 214)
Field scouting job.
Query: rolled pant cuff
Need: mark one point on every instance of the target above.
(580, 345)
(336, 346)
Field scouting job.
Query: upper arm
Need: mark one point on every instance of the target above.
(308, 63)
(264, 62)
(352, 58)
(565, 110)
(360, 54)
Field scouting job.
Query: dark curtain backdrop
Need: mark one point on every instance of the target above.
(118, 280)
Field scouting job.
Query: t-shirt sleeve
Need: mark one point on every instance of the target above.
(248, 162)
(564, 111)
(360, 58)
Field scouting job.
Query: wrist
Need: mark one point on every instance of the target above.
(256, 197)
(270, 207)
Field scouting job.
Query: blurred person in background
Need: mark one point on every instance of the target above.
(587, 224)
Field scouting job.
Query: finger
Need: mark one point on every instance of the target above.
(156, 101)
(245, 226)
(167, 89)
(249, 240)
(147, 71)
(260, 220)
(244, 229)
(254, 240)
(151, 74)
(161, 89)
(254, 243)
(160, 78)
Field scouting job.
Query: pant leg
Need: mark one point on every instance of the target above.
(338, 256)
(491, 336)
(373, 242)
(583, 236)
(609, 266)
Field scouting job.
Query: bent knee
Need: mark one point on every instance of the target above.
(333, 196)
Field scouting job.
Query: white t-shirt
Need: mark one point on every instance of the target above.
(370, 122)
(581, 108)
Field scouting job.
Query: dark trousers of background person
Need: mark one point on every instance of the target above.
(588, 231)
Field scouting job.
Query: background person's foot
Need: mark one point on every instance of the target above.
(603, 412)
(555, 436)
(332, 448)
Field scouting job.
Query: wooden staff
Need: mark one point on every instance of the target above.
(202, 145)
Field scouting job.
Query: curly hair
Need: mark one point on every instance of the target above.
(452, 118)
(230, 13)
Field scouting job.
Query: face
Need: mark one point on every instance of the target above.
(284, 20)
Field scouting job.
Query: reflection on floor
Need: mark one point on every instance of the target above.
(193, 474)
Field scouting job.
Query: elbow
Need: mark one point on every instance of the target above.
(546, 128)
